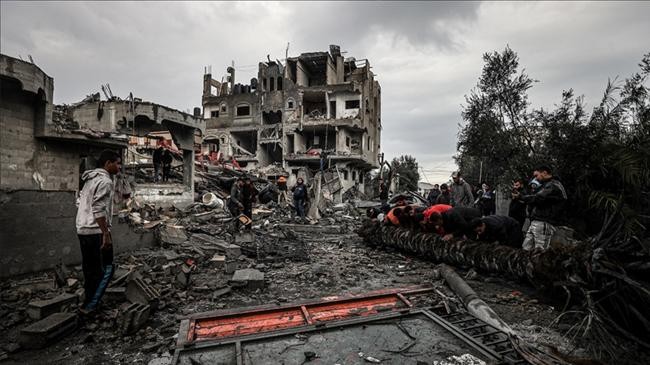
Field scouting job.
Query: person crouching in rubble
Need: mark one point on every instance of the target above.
(249, 193)
(235, 204)
(93, 223)
(455, 222)
(505, 230)
(300, 197)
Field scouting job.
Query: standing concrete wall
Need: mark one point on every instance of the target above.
(38, 231)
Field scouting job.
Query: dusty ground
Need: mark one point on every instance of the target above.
(318, 265)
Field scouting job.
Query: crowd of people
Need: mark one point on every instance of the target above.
(454, 211)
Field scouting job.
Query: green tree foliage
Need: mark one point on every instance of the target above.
(407, 168)
(602, 158)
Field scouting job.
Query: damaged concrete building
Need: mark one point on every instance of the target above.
(315, 111)
(44, 149)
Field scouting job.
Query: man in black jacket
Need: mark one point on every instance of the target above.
(249, 195)
(455, 222)
(499, 228)
(548, 209)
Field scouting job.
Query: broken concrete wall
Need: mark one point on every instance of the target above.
(43, 232)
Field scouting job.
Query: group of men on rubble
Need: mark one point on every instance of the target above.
(454, 211)
(243, 194)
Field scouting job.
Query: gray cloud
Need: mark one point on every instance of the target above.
(427, 55)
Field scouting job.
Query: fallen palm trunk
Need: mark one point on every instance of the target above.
(606, 297)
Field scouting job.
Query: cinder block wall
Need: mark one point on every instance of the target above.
(38, 182)
(27, 163)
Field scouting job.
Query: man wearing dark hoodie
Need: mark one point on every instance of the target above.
(93, 223)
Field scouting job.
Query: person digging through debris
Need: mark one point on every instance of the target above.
(548, 204)
(235, 204)
(157, 163)
(505, 230)
(300, 197)
(455, 222)
(383, 192)
(249, 196)
(93, 223)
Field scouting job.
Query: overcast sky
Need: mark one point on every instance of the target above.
(426, 56)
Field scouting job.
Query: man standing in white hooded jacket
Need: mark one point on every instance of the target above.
(93, 228)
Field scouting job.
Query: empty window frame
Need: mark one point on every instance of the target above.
(243, 110)
(352, 104)
(345, 175)
(214, 114)
(347, 141)
(280, 83)
(271, 83)
(354, 176)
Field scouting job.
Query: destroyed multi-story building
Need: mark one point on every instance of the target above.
(316, 111)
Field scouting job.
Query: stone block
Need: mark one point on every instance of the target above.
(115, 294)
(250, 278)
(231, 251)
(137, 291)
(132, 317)
(218, 261)
(47, 330)
(231, 266)
(40, 309)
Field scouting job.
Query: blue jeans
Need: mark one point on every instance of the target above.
(300, 207)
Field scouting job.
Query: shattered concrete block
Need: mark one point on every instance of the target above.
(244, 237)
(313, 228)
(169, 268)
(36, 285)
(39, 309)
(137, 291)
(47, 330)
(220, 292)
(218, 261)
(115, 294)
(231, 266)
(172, 234)
(250, 278)
(132, 317)
(184, 276)
(230, 250)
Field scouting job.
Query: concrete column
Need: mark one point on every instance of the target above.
(188, 169)
(327, 104)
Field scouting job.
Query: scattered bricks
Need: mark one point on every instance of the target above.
(231, 266)
(230, 250)
(250, 278)
(40, 309)
(132, 317)
(48, 330)
(120, 276)
(137, 291)
(218, 261)
(169, 268)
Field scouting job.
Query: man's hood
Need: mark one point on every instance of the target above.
(91, 174)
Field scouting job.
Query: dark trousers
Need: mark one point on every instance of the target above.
(97, 266)
(299, 204)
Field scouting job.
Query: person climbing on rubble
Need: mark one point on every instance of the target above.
(93, 222)
(445, 196)
(235, 204)
(249, 196)
(282, 189)
(455, 222)
(505, 230)
(392, 218)
(461, 191)
(383, 192)
(166, 164)
(547, 209)
(300, 197)
(157, 163)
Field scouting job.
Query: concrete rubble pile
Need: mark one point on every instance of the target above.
(201, 259)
